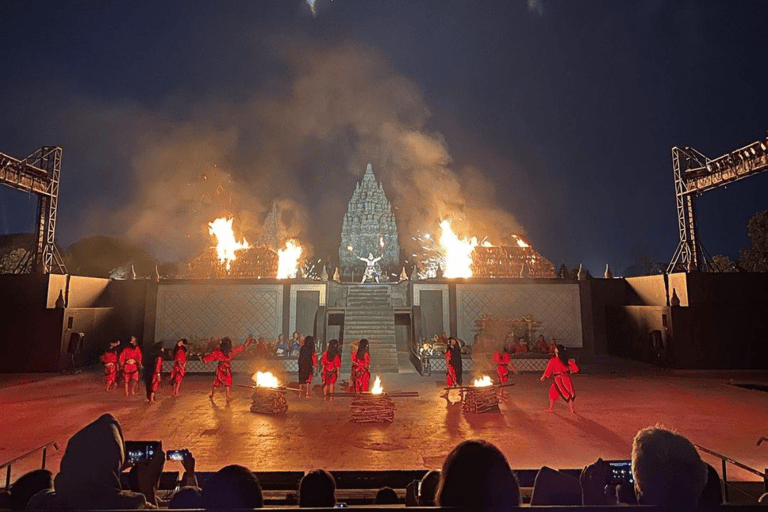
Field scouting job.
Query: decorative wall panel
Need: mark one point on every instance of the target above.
(203, 311)
(556, 306)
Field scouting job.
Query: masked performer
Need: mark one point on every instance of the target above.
(111, 362)
(179, 365)
(307, 364)
(224, 355)
(130, 363)
(331, 362)
(561, 368)
(153, 371)
(504, 365)
(361, 367)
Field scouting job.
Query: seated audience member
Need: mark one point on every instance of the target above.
(27, 486)
(428, 488)
(667, 469)
(521, 347)
(541, 345)
(89, 476)
(713, 491)
(552, 346)
(386, 496)
(232, 487)
(477, 475)
(317, 489)
(552, 487)
(281, 347)
(187, 498)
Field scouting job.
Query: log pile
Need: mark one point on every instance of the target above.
(480, 400)
(268, 401)
(372, 409)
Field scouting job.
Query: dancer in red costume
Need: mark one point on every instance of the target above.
(111, 362)
(224, 355)
(331, 362)
(179, 365)
(361, 367)
(504, 365)
(307, 364)
(561, 368)
(453, 366)
(154, 371)
(130, 364)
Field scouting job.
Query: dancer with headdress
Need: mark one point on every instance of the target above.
(361, 367)
(153, 371)
(179, 365)
(130, 364)
(331, 362)
(307, 364)
(111, 361)
(224, 355)
(560, 369)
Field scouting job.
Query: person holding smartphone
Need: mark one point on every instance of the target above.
(560, 369)
(224, 355)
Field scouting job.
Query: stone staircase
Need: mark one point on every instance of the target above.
(369, 314)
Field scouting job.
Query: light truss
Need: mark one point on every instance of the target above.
(39, 174)
(695, 174)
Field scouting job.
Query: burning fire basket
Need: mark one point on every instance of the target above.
(268, 397)
(374, 406)
(481, 397)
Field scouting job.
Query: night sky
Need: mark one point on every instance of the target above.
(549, 119)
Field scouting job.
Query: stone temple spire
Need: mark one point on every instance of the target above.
(369, 227)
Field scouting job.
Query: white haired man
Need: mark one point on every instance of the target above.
(667, 468)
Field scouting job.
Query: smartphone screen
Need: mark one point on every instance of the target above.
(619, 472)
(174, 455)
(137, 451)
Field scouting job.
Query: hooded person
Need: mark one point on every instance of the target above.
(89, 475)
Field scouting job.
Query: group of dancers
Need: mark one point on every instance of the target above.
(128, 363)
(360, 376)
(559, 368)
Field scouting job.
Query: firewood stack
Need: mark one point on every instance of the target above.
(480, 400)
(268, 401)
(372, 409)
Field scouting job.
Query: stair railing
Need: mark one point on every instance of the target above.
(7, 466)
(726, 460)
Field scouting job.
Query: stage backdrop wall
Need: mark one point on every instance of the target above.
(557, 306)
(197, 311)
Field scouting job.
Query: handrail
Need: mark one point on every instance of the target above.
(736, 463)
(9, 464)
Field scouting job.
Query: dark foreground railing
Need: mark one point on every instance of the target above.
(7, 465)
(727, 460)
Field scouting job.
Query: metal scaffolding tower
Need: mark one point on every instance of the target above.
(39, 174)
(696, 174)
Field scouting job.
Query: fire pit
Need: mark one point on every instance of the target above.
(375, 407)
(268, 397)
(481, 397)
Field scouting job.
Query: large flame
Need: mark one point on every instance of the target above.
(483, 382)
(226, 244)
(458, 252)
(377, 389)
(265, 380)
(288, 264)
(520, 241)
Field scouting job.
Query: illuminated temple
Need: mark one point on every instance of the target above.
(369, 228)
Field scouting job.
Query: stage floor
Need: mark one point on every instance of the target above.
(614, 400)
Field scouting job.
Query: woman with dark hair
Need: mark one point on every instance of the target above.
(331, 362)
(504, 365)
(561, 368)
(453, 363)
(153, 371)
(317, 489)
(179, 365)
(361, 367)
(224, 355)
(307, 364)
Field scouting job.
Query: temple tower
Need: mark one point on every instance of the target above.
(369, 227)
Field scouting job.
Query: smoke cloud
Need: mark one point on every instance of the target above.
(301, 142)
